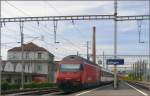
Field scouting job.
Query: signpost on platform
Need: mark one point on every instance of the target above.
(115, 61)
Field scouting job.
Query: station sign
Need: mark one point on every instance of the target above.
(115, 61)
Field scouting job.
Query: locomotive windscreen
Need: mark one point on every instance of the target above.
(70, 67)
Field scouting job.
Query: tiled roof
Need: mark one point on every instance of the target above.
(28, 47)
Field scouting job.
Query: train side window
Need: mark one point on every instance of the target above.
(81, 66)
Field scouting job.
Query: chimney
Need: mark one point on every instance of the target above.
(94, 45)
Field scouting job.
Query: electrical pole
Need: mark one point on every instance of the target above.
(145, 70)
(148, 73)
(103, 60)
(87, 50)
(133, 72)
(0, 57)
(115, 43)
(0, 51)
(22, 54)
(136, 71)
(94, 45)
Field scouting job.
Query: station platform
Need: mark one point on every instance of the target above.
(125, 89)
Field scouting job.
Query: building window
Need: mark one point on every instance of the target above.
(14, 56)
(39, 55)
(39, 68)
(27, 55)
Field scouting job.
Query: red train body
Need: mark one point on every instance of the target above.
(77, 72)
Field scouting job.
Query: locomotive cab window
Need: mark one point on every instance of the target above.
(81, 66)
(70, 67)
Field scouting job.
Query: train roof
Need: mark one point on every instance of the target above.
(80, 58)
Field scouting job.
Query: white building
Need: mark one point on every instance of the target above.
(38, 63)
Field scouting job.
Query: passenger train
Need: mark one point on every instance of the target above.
(75, 72)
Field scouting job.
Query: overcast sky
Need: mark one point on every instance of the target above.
(73, 36)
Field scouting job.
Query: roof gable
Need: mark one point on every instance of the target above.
(29, 47)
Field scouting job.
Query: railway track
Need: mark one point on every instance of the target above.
(41, 92)
(51, 91)
(86, 89)
(35, 92)
(140, 84)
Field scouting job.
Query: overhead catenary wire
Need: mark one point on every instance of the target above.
(31, 36)
(55, 22)
(24, 14)
(40, 24)
(17, 8)
(16, 31)
(16, 37)
(46, 31)
(60, 13)
(72, 23)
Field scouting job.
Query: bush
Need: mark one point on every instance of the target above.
(13, 86)
(6, 86)
(39, 85)
(30, 85)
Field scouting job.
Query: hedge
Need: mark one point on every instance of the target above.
(6, 86)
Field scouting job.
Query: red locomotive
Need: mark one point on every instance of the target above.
(76, 72)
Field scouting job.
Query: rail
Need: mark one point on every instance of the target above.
(145, 85)
(27, 91)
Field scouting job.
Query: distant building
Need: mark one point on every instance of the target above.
(38, 63)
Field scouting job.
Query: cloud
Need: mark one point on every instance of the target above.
(72, 39)
(47, 8)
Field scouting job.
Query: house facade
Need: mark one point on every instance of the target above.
(37, 64)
